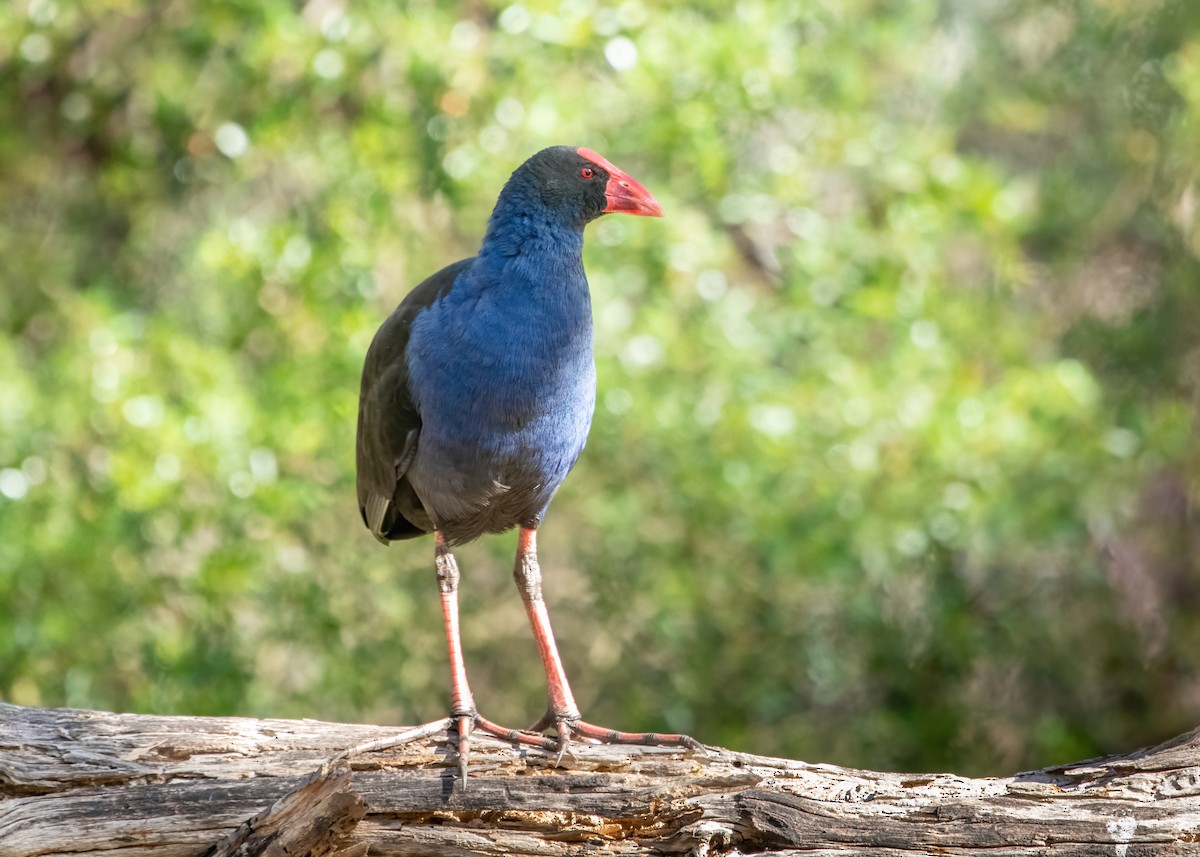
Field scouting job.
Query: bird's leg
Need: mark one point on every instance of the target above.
(462, 704)
(462, 711)
(562, 713)
(463, 716)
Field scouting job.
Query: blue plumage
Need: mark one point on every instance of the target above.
(477, 395)
(501, 370)
(478, 391)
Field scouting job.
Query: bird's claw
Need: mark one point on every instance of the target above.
(469, 723)
(571, 727)
(563, 727)
(465, 723)
(581, 730)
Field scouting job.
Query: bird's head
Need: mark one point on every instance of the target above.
(580, 185)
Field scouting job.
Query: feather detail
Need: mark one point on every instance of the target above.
(374, 513)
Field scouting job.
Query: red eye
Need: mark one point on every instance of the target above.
(587, 172)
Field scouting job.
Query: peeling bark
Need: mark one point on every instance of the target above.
(90, 782)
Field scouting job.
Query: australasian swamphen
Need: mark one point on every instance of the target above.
(477, 395)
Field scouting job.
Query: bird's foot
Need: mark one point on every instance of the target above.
(465, 724)
(569, 727)
(479, 723)
(397, 740)
(647, 739)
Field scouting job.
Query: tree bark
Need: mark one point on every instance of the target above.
(91, 783)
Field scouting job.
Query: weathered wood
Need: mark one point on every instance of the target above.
(89, 782)
(315, 819)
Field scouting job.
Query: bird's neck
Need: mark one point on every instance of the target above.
(528, 257)
(521, 225)
(528, 243)
(526, 291)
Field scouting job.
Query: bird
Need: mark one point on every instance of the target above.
(476, 400)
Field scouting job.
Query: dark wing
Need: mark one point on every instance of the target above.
(388, 423)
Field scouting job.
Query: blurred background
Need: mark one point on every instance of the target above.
(893, 463)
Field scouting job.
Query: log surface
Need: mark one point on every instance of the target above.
(91, 783)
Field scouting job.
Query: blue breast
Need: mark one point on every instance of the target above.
(502, 373)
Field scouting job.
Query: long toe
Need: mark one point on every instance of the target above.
(526, 737)
(651, 739)
(408, 736)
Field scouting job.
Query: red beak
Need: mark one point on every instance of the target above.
(624, 193)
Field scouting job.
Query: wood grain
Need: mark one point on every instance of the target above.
(92, 783)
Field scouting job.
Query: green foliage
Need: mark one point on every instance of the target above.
(893, 459)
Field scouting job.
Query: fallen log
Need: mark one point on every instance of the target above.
(91, 783)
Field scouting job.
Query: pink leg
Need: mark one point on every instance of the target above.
(462, 704)
(463, 715)
(563, 714)
(462, 710)
(528, 575)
